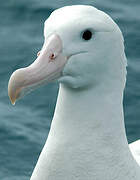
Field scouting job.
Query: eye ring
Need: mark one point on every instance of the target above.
(87, 35)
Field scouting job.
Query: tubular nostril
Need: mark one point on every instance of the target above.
(52, 57)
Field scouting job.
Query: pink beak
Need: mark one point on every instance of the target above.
(47, 67)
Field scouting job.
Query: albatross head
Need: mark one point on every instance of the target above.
(83, 47)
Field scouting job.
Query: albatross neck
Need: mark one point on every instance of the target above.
(87, 138)
(91, 122)
(95, 111)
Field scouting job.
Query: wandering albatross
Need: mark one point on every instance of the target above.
(84, 51)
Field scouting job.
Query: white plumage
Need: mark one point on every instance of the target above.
(135, 149)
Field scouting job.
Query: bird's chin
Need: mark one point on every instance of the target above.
(74, 82)
(68, 81)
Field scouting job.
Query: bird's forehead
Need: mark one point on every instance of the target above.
(79, 17)
(73, 14)
(77, 10)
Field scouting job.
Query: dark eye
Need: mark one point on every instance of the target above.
(87, 35)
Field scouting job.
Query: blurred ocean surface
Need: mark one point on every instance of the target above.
(24, 127)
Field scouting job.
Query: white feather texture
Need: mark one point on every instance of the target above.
(87, 139)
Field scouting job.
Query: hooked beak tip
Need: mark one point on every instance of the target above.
(13, 102)
(12, 98)
(13, 89)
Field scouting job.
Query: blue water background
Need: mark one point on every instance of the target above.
(24, 127)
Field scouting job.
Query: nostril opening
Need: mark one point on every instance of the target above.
(52, 56)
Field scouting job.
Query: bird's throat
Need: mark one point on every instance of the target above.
(87, 138)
